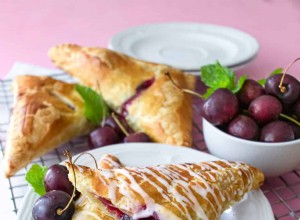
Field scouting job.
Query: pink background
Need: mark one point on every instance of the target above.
(29, 28)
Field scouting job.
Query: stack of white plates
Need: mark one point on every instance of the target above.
(187, 46)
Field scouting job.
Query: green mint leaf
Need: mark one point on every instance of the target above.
(208, 92)
(95, 108)
(276, 71)
(262, 82)
(35, 177)
(216, 76)
(239, 84)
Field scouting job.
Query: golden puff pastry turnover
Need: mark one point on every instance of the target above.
(46, 113)
(184, 191)
(138, 90)
(84, 209)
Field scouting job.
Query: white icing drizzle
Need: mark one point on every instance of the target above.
(112, 190)
(187, 198)
(205, 191)
(80, 169)
(147, 199)
(110, 162)
(107, 174)
(172, 182)
(159, 189)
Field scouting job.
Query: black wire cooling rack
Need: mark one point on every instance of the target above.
(283, 192)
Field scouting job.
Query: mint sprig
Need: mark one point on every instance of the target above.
(35, 177)
(274, 72)
(95, 109)
(216, 76)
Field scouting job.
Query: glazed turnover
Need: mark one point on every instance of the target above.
(184, 191)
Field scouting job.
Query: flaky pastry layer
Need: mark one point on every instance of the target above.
(186, 191)
(162, 111)
(46, 113)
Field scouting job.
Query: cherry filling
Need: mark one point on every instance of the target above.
(111, 208)
(142, 87)
(121, 215)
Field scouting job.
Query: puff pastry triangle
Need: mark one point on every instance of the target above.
(46, 113)
(139, 90)
(88, 210)
(185, 191)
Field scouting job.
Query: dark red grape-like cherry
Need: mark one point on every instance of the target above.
(121, 215)
(126, 217)
(112, 123)
(103, 136)
(250, 90)
(45, 208)
(137, 137)
(287, 109)
(296, 129)
(277, 131)
(243, 127)
(220, 107)
(56, 178)
(296, 108)
(291, 84)
(265, 108)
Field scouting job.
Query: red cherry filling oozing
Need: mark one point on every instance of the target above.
(116, 129)
(121, 215)
(142, 87)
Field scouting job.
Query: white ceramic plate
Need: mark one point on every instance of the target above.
(253, 206)
(186, 46)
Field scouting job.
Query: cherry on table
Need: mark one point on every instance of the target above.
(111, 122)
(137, 137)
(103, 136)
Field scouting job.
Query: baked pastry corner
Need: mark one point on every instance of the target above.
(138, 89)
(184, 191)
(46, 113)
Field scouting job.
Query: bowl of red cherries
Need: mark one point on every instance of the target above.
(255, 121)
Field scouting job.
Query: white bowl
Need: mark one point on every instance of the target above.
(273, 159)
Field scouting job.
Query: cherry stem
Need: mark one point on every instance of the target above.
(119, 124)
(183, 90)
(61, 211)
(67, 154)
(95, 161)
(281, 115)
(290, 119)
(281, 87)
